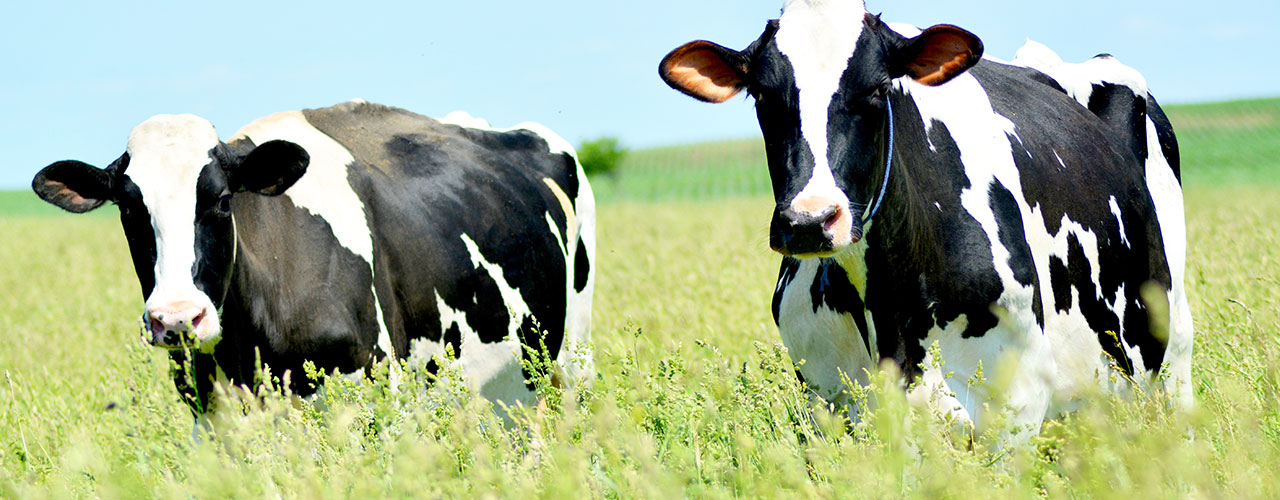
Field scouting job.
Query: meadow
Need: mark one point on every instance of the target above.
(695, 395)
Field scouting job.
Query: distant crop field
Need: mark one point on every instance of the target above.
(695, 396)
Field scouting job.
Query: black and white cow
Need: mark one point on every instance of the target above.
(348, 234)
(1023, 217)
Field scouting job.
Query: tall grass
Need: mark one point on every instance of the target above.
(695, 397)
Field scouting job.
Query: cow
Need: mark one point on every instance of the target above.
(347, 235)
(960, 217)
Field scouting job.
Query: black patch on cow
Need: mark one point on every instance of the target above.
(1058, 276)
(453, 337)
(926, 264)
(1164, 134)
(1124, 112)
(581, 267)
(534, 342)
(487, 314)
(786, 273)
(214, 236)
(1024, 73)
(193, 375)
(453, 340)
(135, 220)
(1014, 239)
(1099, 317)
(297, 295)
(831, 289)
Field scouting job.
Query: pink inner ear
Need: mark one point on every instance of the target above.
(701, 73)
(68, 198)
(944, 56)
(65, 193)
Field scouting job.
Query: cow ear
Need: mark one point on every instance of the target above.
(705, 71)
(937, 55)
(270, 168)
(74, 186)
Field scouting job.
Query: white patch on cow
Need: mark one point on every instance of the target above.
(937, 206)
(1078, 79)
(555, 231)
(1166, 193)
(1016, 363)
(571, 225)
(818, 37)
(827, 341)
(166, 155)
(326, 193)
(1059, 158)
(904, 29)
(575, 358)
(463, 119)
(491, 370)
(1115, 209)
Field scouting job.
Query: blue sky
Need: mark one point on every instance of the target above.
(77, 76)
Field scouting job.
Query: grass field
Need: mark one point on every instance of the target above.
(695, 395)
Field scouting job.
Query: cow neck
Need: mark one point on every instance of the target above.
(888, 165)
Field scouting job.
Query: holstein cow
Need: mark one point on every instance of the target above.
(348, 234)
(1023, 217)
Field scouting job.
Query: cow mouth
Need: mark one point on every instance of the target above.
(803, 249)
(190, 337)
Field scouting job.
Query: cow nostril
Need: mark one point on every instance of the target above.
(832, 215)
(195, 322)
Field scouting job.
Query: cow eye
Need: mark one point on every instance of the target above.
(224, 204)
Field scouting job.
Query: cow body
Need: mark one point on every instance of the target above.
(405, 235)
(1029, 228)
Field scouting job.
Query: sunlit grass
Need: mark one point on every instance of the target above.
(695, 396)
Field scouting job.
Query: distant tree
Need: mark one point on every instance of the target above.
(601, 156)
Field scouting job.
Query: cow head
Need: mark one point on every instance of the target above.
(174, 186)
(821, 75)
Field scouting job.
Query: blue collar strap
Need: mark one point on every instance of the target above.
(888, 163)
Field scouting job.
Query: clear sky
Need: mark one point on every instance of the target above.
(75, 77)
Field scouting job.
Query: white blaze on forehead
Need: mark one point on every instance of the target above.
(166, 155)
(818, 37)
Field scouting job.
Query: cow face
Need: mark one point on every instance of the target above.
(821, 76)
(174, 186)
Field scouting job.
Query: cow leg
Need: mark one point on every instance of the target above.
(1177, 382)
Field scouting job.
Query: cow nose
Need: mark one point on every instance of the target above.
(823, 218)
(171, 324)
(804, 231)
